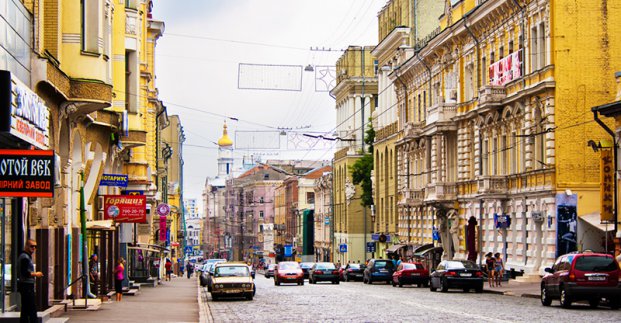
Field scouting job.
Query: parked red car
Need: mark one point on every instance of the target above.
(583, 276)
(288, 272)
(410, 273)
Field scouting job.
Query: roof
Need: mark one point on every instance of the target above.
(317, 172)
(225, 141)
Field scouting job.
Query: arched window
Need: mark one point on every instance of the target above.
(539, 136)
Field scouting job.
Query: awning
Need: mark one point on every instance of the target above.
(593, 219)
(422, 251)
(395, 247)
(100, 225)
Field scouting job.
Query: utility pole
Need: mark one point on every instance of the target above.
(364, 208)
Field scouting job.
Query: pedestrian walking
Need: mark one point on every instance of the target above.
(26, 282)
(190, 269)
(500, 269)
(168, 266)
(490, 267)
(119, 276)
(93, 273)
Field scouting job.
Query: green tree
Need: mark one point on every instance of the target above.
(361, 169)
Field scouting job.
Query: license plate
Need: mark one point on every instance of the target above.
(415, 274)
(466, 275)
(232, 291)
(383, 271)
(597, 278)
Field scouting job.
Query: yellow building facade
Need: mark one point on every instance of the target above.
(355, 92)
(494, 123)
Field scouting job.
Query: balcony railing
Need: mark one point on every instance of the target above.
(441, 112)
(492, 185)
(414, 196)
(491, 95)
(441, 192)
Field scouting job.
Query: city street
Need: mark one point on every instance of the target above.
(354, 301)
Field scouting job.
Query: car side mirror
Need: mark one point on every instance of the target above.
(549, 270)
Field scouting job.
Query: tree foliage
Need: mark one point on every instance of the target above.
(361, 169)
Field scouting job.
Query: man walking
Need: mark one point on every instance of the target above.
(93, 269)
(26, 282)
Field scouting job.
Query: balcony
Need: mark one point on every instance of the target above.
(412, 130)
(441, 112)
(105, 118)
(492, 185)
(491, 96)
(441, 192)
(414, 196)
(134, 138)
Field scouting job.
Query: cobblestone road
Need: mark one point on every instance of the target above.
(356, 302)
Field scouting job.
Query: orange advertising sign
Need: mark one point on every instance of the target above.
(606, 191)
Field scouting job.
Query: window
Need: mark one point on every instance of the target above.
(514, 149)
(310, 197)
(261, 214)
(131, 81)
(539, 137)
(542, 46)
(495, 157)
(468, 86)
(91, 12)
(534, 45)
(510, 46)
(501, 51)
(483, 70)
(485, 157)
(131, 4)
(503, 153)
(261, 200)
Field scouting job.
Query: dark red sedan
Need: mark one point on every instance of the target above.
(410, 273)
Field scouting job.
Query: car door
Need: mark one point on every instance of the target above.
(553, 279)
(435, 276)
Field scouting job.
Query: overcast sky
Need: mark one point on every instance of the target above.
(197, 63)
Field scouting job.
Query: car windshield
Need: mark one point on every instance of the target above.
(384, 264)
(325, 266)
(306, 264)
(595, 263)
(288, 265)
(232, 271)
(461, 265)
(354, 266)
(409, 266)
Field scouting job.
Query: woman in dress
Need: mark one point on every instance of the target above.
(119, 276)
(500, 268)
(490, 266)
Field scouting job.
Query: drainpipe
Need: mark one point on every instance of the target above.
(614, 154)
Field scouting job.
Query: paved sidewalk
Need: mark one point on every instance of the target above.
(171, 301)
(514, 288)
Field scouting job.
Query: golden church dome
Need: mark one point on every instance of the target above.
(225, 140)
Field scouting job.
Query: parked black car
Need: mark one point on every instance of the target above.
(378, 270)
(353, 272)
(463, 274)
(323, 271)
(306, 266)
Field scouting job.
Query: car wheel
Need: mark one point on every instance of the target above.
(419, 285)
(565, 299)
(479, 289)
(254, 290)
(545, 298)
(443, 286)
(302, 283)
(594, 302)
(337, 282)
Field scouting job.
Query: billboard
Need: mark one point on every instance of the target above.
(26, 173)
(125, 208)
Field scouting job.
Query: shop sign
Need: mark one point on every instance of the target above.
(506, 70)
(163, 209)
(120, 180)
(26, 173)
(162, 228)
(606, 190)
(125, 208)
(343, 247)
(23, 113)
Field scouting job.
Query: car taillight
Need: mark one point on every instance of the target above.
(479, 274)
(572, 277)
(318, 272)
(350, 270)
(335, 272)
(450, 273)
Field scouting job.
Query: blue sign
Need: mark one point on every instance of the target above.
(343, 247)
(502, 221)
(288, 250)
(327, 220)
(435, 234)
(371, 247)
(188, 249)
(114, 180)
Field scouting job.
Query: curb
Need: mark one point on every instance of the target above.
(204, 314)
(510, 293)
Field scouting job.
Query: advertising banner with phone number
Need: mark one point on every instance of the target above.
(125, 208)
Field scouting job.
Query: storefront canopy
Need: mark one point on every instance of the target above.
(593, 219)
(100, 225)
(394, 248)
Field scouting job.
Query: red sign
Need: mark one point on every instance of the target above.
(506, 69)
(125, 208)
(174, 244)
(162, 228)
(27, 173)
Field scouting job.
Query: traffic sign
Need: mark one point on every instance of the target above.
(343, 247)
(188, 249)
(371, 246)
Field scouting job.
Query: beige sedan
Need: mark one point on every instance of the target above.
(232, 280)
